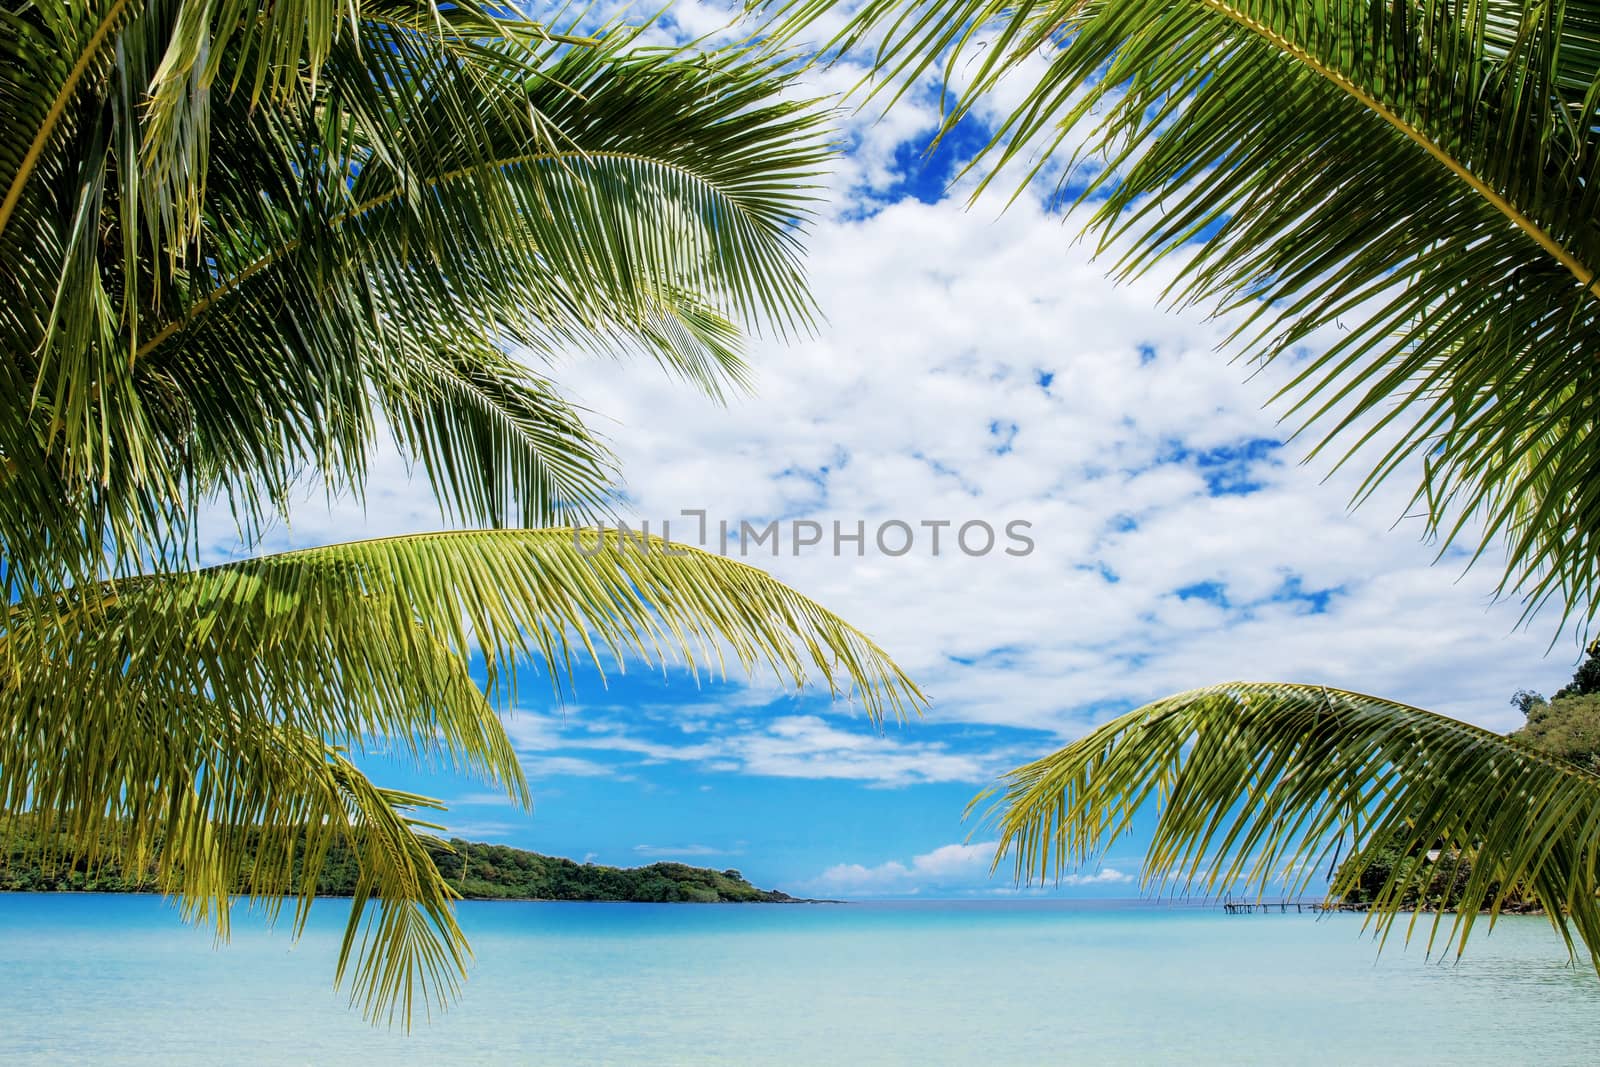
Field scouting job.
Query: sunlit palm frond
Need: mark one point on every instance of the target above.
(1260, 784)
(215, 712)
(173, 57)
(51, 51)
(239, 244)
(215, 805)
(429, 185)
(1422, 177)
(370, 639)
(498, 439)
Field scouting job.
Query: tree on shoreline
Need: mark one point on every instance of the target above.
(1568, 724)
(240, 246)
(1424, 179)
(476, 870)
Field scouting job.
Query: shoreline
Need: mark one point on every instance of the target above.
(461, 900)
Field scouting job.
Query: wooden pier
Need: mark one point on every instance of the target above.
(1251, 907)
(1282, 907)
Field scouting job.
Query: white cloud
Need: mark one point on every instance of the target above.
(779, 746)
(564, 767)
(675, 851)
(479, 830)
(943, 323)
(959, 868)
(946, 866)
(1104, 876)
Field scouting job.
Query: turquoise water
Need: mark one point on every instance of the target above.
(115, 979)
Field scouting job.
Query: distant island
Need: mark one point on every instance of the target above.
(478, 871)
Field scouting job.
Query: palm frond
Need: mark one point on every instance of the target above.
(219, 709)
(215, 805)
(338, 638)
(40, 83)
(425, 190)
(1259, 784)
(1423, 176)
(370, 639)
(237, 243)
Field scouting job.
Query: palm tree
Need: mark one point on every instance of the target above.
(1424, 175)
(240, 245)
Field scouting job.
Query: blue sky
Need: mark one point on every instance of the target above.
(975, 365)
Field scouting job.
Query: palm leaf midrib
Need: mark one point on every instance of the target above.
(234, 283)
(1585, 275)
(58, 108)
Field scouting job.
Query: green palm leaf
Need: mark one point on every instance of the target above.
(363, 237)
(239, 245)
(1258, 783)
(219, 708)
(215, 805)
(1421, 177)
(39, 83)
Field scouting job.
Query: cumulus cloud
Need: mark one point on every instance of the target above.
(944, 867)
(1179, 539)
(957, 868)
(978, 364)
(1104, 876)
(773, 745)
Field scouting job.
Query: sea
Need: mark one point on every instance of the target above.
(113, 979)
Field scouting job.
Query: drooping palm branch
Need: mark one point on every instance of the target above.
(219, 709)
(239, 245)
(1421, 176)
(1257, 783)
(349, 247)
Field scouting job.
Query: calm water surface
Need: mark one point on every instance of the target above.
(117, 979)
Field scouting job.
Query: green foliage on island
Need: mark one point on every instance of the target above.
(494, 872)
(1432, 880)
(476, 870)
(1586, 680)
(1567, 726)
